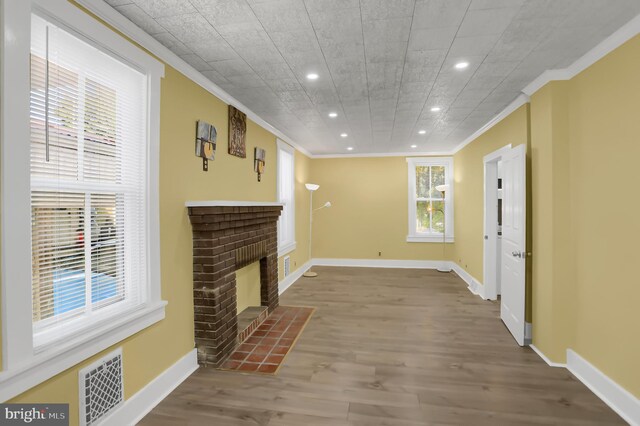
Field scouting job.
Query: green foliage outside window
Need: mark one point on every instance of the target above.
(430, 203)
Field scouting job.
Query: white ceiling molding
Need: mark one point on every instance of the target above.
(112, 17)
(121, 23)
(517, 103)
(615, 40)
(385, 154)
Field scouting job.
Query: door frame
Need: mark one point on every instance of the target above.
(490, 230)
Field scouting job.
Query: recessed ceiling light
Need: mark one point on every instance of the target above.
(435, 109)
(314, 76)
(349, 148)
(414, 146)
(422, 132)
(333, 114)
(343, 135)
(462, 65)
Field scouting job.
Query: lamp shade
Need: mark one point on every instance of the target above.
(311, 186)
(442, 188)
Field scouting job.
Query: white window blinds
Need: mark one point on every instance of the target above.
(88, 179)
(286, 188)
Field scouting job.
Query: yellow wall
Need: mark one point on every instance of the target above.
(150, 352)
(604, 126)
(551, 218)
(247, 277)
(369, 212)
(469, 187)
(584, 135)
(248, 286)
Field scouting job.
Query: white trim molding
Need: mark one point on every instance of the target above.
(490, 223)
(48, 364)
(140, 404)
(615, 396)
(25, 366)
(546, 359)
(606, 46)
(286, 194)
(379, 263)
(385, 154)
(625, 404)
(520, 100)
(473, 284)
(226, 203)
(16, 212)
(112, 17)
(429, 239)
(293, 277)
(287, 248)
(413, 236)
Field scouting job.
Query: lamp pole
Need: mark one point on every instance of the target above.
(444, 267)
(310, 223)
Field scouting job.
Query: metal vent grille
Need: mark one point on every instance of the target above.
(101, 388)
(287, 266)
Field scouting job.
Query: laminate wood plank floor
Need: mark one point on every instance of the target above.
(391, 347)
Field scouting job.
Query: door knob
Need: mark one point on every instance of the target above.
(516, 254)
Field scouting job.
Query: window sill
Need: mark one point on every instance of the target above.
(287, 248)
(428, 239)
(56, 359)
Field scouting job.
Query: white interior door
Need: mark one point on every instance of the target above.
(514, 241)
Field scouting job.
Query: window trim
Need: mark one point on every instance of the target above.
(429, 237)
(288, 246)
(22, 366)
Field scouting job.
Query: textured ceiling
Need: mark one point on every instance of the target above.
(382, 64)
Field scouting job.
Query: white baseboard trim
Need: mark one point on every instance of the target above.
(473, 284)
(615, 396)
(293, 277)
(546, 359)
(380, 263)
(140, 404)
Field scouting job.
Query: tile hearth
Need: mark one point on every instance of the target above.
(266, 348)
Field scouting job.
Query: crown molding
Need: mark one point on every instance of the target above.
(115, 19)
(112, 17)
(615, 40)
(606, 46)
(384, 154)
(514, 105)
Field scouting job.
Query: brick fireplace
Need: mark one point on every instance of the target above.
(228, 235)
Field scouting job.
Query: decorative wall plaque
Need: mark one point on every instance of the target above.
(237, 132)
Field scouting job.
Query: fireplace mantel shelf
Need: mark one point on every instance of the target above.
(225, 203)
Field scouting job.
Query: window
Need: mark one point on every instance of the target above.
(88, 181)
(79, 190)
(429, 211)
(286, 195)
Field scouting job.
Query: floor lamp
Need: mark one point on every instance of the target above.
(445, 265)
(312, 187)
